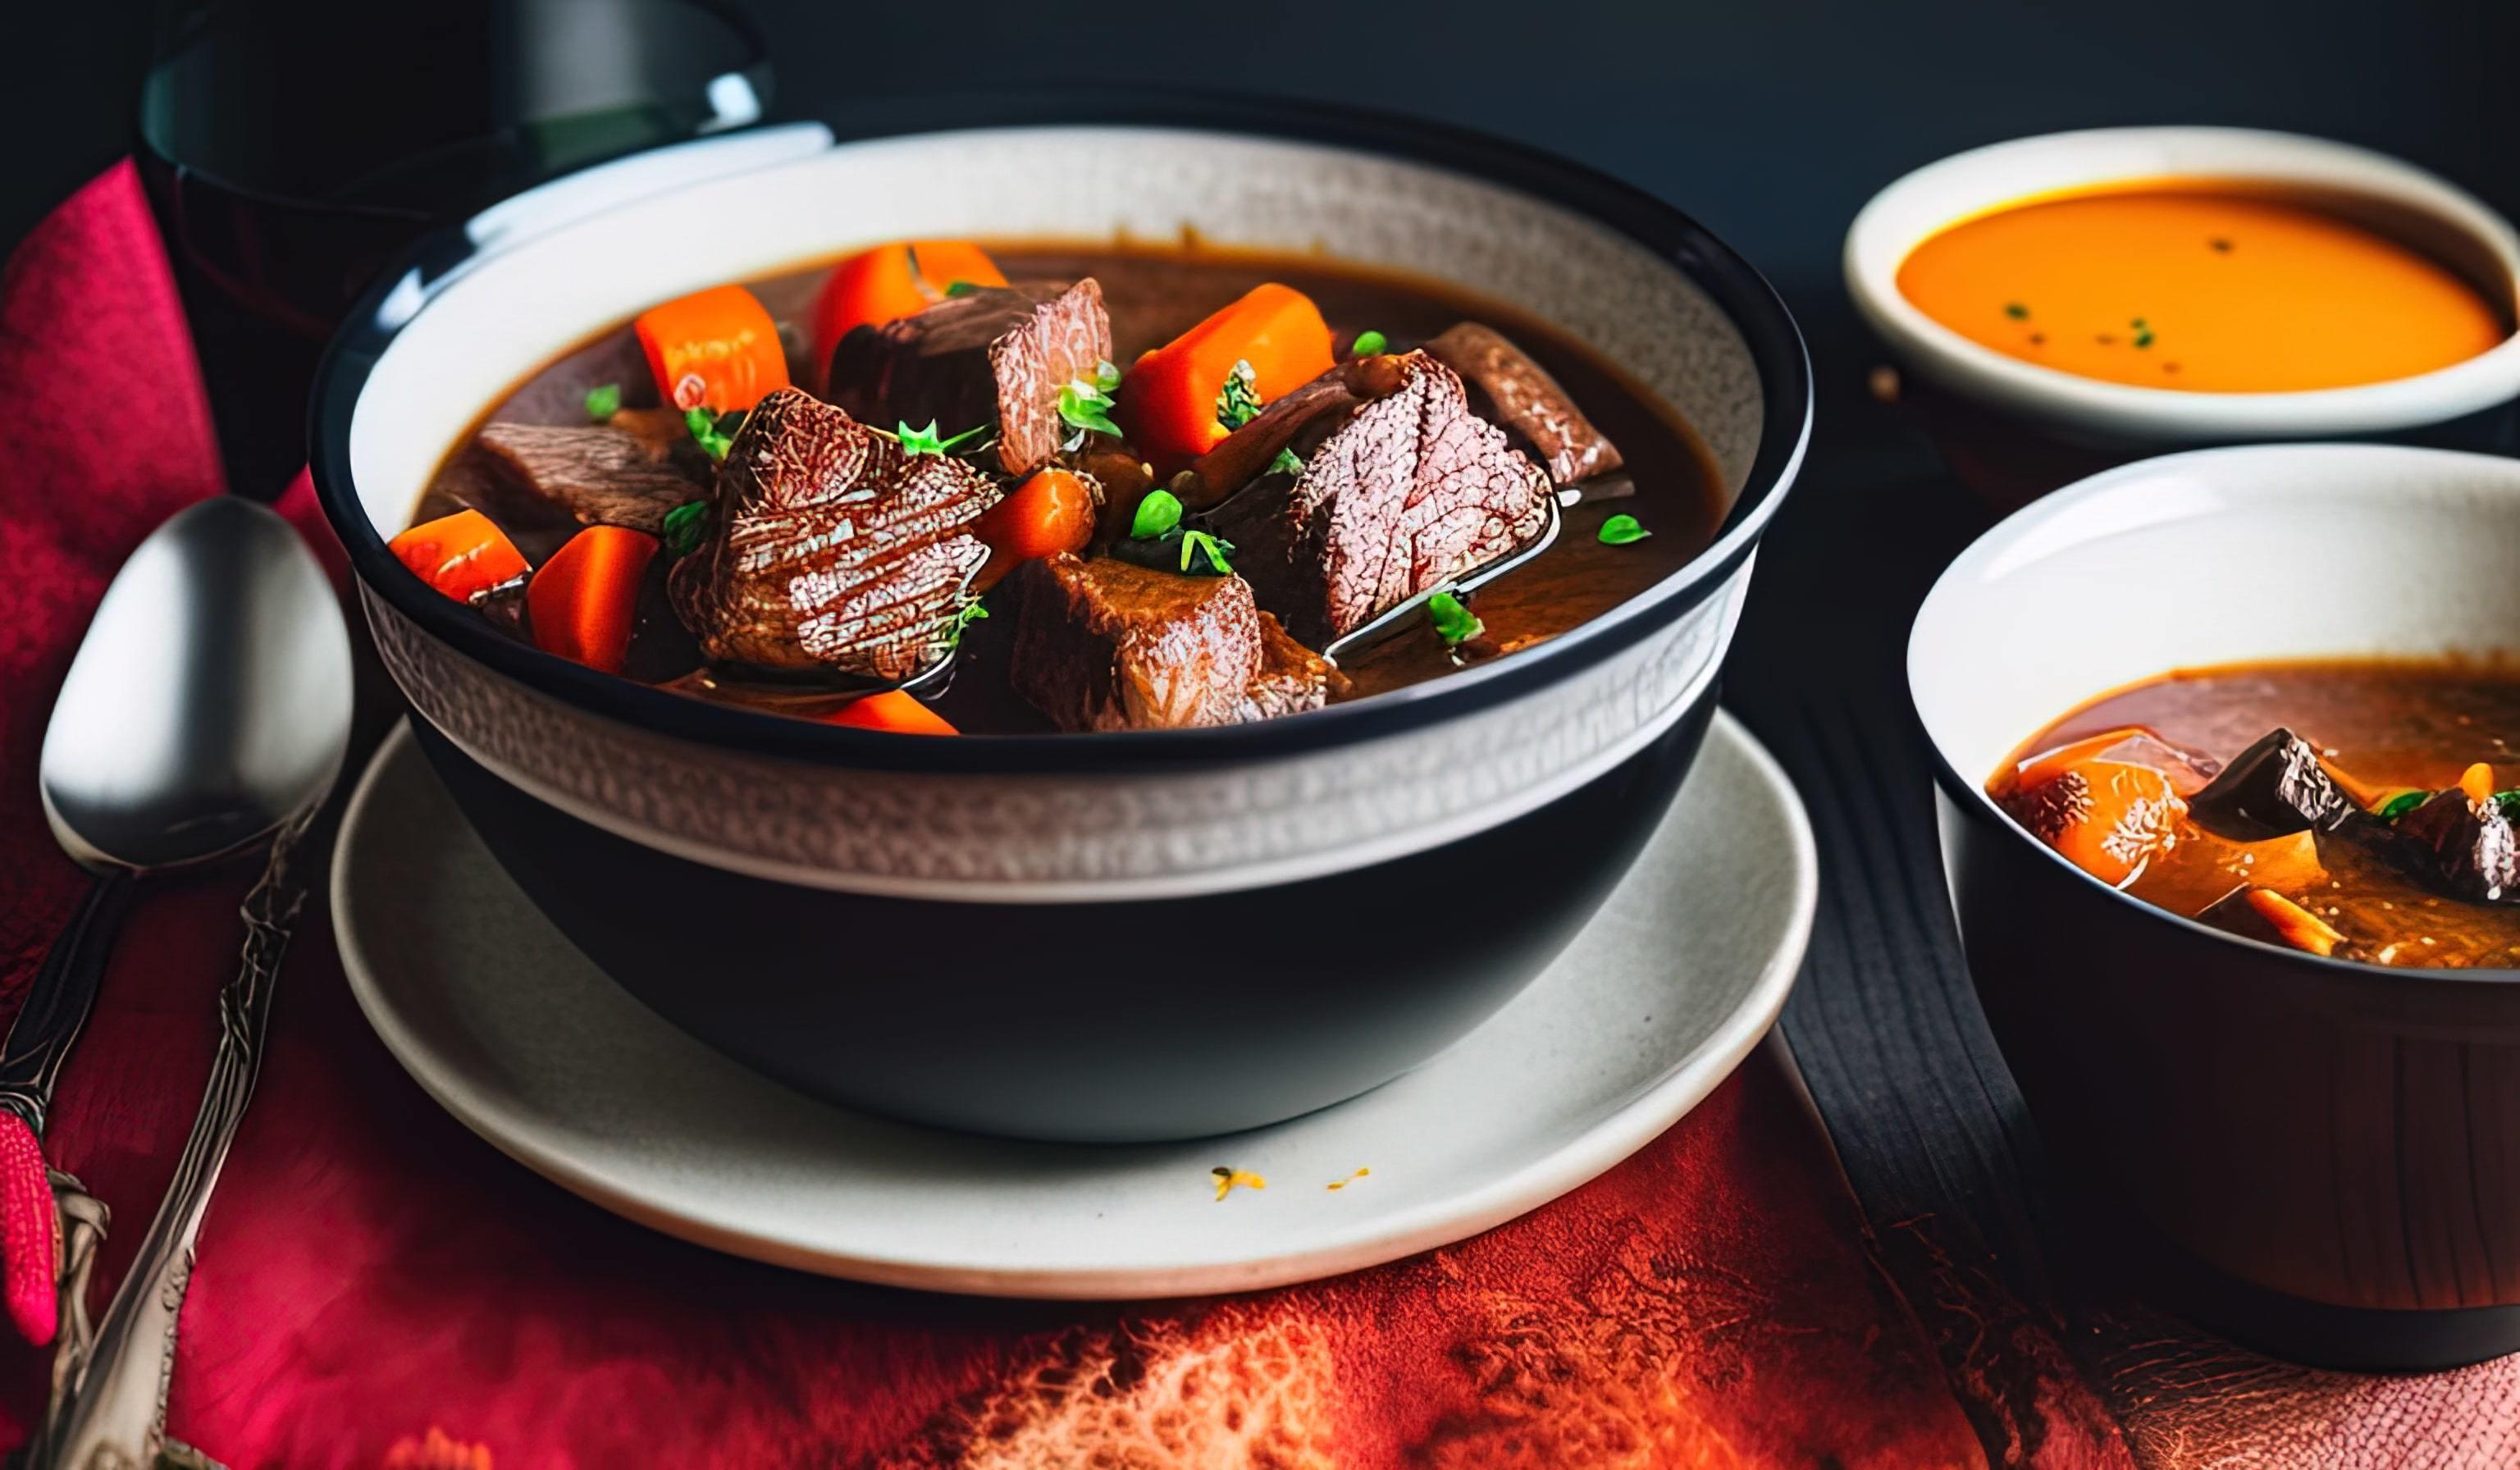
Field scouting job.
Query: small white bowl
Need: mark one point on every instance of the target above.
(2469, 235)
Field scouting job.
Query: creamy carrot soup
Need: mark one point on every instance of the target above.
(2181, 287)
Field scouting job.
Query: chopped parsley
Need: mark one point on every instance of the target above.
(1620, 530)
(959, 289)
(1237, 403)
(1158, 514)
(1086, 407)
(916, 442)
(1368, 343)
(713, 433)
(956, 625)
(602, 401)
(1199, 544)
(1454, 623)
(2017, 311)
(2401, 804)
(685, 527)
(1285, 462)
(2510, 802)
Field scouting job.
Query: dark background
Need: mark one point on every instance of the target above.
(1770, 119)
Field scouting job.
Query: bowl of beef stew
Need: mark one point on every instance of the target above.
(2227, 776)
(1092, 631)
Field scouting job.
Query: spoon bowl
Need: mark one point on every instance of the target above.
(209, 702)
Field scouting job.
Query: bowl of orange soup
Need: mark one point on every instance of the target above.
(2127, 288)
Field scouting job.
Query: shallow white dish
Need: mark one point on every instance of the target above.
(1922, 204)
(513, 1032)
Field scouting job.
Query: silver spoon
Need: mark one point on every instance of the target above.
(207, 712)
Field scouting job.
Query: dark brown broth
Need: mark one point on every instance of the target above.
(1153, 293)
(2384, 722)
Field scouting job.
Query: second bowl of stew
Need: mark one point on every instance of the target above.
(1089, 631)
(2226, 751)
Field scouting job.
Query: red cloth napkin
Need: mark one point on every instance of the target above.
(378, 1287)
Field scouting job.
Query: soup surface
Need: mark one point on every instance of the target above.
(1141, 486)
(2358, 809)
(2203, 291)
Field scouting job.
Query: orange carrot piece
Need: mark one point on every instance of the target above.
(2476, 782)
(892, 710)
(715, 349)
(1167, 404)
(2107, 818)
(890, 282)
(2294, 924)
(584, 600)
(463, 554)
(1052, 511)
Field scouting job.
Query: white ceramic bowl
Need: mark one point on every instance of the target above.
(2311, 1154)
(2458, 227)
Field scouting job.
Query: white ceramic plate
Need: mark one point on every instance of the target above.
(519, 1035)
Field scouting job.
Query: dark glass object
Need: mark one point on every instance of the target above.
(292, 147)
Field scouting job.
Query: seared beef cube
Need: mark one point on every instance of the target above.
(2275, 788)
(830, 548)
(1518, 394)
(1108, 644)
(1000, 353)
(2464, 848)
(627, 472)
(1298, 420)
(1411, 493)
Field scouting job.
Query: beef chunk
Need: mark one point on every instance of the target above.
(1412, 492)
(1299, 420)
(2276, 787)
(1509, 390)
(628, 473)
(832, 549)
(1001, 353)
(2464, 848)
(1106, 644)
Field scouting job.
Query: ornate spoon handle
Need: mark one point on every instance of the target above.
(114, 1411)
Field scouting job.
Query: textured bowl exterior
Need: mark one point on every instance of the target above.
(1136, 935)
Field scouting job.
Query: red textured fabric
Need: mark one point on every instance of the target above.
(30, 1232)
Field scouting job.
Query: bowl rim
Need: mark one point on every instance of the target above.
(1875, 250)
(1971, 795)
(1746, 299)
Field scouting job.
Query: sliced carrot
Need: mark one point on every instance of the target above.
(463, 554)
(2294, 924)
(585, 599)
(1052, 511)
(891, 282)
(2476, 782)
(715, 349)
(892, 710)
(2108, 818)
(1167, 404)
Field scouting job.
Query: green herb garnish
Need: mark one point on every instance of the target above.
(1619, 530)
(602, 401)
(1160, 511)
(2401, 804)
(713, 433)
(924, 441)
(1285, 464)
(685, 525)
(1454, 623)
(956, 625)
(2017, 311)
(1237, 403)
(1212, 547)
(2510, 802)
(959, 289)
(1086, 407)
(1107, 376)
(1368, 343)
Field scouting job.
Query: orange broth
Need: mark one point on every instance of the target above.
(2173, 284)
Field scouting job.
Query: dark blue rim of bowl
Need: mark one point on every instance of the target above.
(1980, 807)
(1744, 296)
